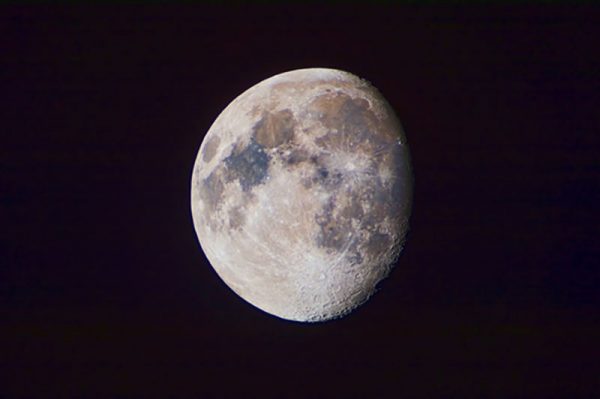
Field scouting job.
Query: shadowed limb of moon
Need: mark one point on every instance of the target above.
(302, 192)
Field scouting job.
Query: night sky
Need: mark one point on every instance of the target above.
(105, 291)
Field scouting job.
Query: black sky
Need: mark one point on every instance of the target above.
(104, 289)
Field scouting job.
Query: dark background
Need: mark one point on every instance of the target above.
(104, 289)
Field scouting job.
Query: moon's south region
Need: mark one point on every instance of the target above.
(301, 193)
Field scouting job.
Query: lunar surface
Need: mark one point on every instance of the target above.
(301, 193)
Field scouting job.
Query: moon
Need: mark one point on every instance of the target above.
(301, 193)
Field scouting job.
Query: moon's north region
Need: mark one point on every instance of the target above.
(301, 193)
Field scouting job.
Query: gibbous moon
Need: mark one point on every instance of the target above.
(301, 193)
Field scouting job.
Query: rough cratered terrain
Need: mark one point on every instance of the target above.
(301, 193)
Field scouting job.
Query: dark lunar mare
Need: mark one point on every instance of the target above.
(250, 165)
